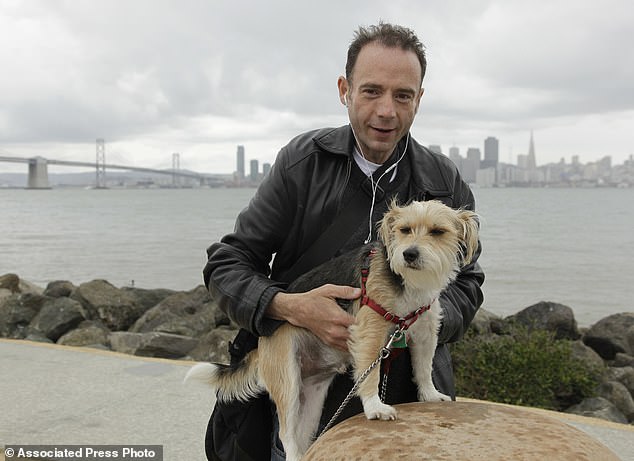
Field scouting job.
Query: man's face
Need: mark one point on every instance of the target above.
(383, 95)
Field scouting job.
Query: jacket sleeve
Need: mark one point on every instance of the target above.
(462, 298)
(237, 268)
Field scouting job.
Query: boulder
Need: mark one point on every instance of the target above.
(457, 431)
(549, 316)
(87, 333)
(622, 360)
(598, 407)
(624, 375)
(190, 313)
(59, 289)
(152, 344)
(115, 307)
(147, 298)
(587, 355)
(10, 282)
(214, 346)
(32, 334)
(610, 335)
(57, 316)
(486, 322)
(620, 396)
(16, 312)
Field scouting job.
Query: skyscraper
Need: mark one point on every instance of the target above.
(491, 152)
(531, 163)
(454, 155)
(240, 159)
(435, 148)
(255, 167)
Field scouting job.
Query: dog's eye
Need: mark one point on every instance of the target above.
(437, 231)
(406, 230)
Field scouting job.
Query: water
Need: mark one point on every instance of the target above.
(572, 246)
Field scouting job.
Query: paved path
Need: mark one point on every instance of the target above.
(66, 395)
(76, 396)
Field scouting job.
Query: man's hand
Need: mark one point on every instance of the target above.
(317, 310)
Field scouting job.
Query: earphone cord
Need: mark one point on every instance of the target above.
(375, 185)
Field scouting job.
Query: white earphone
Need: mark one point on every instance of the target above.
(375, 184)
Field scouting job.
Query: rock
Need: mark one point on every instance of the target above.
(16, 312)
(629, 336)
(152, 344)
(624, 375)
(57, 316)
(37, 336)
(116, 308)
(549, 316)
(622, 360)
(618, 394)
(457, 431)
(610, 335)
(214, 346)
(147, 298)
(88, 333)
(124, 341)
(10, 282)
(483, 322)
(190, 313)
(598, 407)
(587, 355)
(59, 289)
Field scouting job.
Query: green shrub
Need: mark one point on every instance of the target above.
(522, 368)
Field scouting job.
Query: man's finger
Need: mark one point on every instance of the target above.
(342, 291)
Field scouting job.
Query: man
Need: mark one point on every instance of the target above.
(324, 175)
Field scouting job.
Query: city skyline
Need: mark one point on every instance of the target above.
(203, 77)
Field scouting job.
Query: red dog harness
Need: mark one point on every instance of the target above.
(403, 322)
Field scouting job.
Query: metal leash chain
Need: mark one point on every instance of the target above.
(383, 354)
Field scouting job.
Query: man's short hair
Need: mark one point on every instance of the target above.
(389, 35)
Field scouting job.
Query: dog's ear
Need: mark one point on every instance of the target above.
(469, 227)
(386, 223)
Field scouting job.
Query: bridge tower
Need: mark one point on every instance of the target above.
(176, 166)
(100, 180)
(38, 174)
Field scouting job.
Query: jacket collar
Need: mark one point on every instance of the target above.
(427, 174)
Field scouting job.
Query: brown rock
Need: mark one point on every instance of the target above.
(457, 431)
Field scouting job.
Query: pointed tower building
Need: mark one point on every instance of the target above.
(531, 162)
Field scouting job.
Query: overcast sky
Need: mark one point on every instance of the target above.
(199, 77)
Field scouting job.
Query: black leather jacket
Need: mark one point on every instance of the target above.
(296, 202)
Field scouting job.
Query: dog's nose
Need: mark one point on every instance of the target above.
(410, 255)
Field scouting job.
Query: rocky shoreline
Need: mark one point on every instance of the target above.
(187, 325)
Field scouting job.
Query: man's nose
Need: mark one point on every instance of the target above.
(386, 106)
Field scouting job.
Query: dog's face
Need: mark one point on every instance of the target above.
(427, 242)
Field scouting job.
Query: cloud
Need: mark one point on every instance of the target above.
(201, 75)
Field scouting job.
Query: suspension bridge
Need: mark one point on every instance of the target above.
(38, 169)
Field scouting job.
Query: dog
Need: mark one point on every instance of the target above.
(422, 247)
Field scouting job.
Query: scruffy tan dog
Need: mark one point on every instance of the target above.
(422, 247)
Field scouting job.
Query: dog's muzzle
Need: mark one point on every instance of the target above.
(411, 256)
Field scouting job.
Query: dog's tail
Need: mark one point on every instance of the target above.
(239, 382)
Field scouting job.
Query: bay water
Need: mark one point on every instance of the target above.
(572, 246)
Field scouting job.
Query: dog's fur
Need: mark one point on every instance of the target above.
(422, 247)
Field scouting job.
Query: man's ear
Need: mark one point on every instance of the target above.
(418, 98)
(343, 86)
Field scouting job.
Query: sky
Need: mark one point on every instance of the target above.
(199, 77)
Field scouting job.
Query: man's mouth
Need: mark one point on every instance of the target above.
(383, 130)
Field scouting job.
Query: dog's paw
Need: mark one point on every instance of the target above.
(375, 409)
(433, 396)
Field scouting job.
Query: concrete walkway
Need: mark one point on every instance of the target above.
(61, 395)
